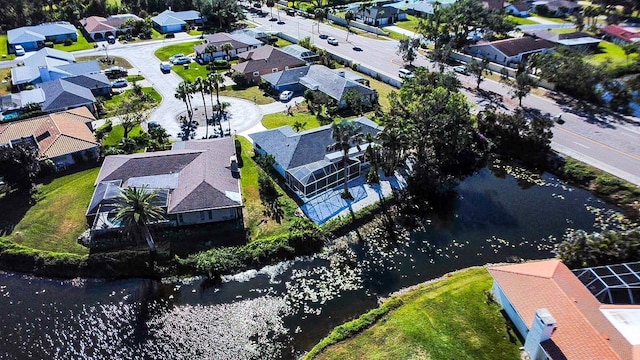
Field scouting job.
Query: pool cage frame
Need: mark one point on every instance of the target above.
(613, 284)
(311, 179)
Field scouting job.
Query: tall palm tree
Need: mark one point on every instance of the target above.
(136, 209)
(183, 92)
(222, 107)
(216, 80)
(270, 4)
(211, 49)
(348, 17)
(227, 48)
(394, 143)
(200, 85)
(346, 134)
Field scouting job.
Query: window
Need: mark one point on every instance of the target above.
(180, 218)
(201, 215)
(210, 214)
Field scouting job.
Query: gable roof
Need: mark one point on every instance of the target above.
(292, 149)
(378, 12)
(238, 41)
(520, 6)
(265, 58)
(39, 32)
(621, 33)
(523, 45)
(583, 331)
(47, 56)
(90, 81)
(195, 172)
(99, 23)
(323, 79)
(56, 134)
(169, 17)
(568, 39)
(287, 77)
(62, 94)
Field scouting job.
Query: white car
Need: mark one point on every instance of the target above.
(19, 50)
(405, 74)
(286, 95)
(332, 41)
(174, 57)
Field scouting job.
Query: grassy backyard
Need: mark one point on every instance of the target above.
(117, 61)
(164, 53)
(410, 24)
(113, 105)
(57, 218)
(5, 77)
(117, 133)
(610, 52)
(4, 49)
(255, 220)
(81, 44)
(251, 93)
(447, 319)
(520, 21)
(273, 121)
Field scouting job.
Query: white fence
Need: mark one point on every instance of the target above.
(356, 24)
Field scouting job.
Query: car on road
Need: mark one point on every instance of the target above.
(152, 124)
(181, 61)
(558, 119)
(120, 83)
(405, 74)
(291, 12)
(111, 39)
(165, 66)
(175, 56)
(19, 50)
(357, 48)
(115, 72)
(461, 70)
(273, 19)
(332, 41)
(323, 36)
(286, 95)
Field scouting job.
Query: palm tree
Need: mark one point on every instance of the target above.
(394, 143)
(211, 49)
(270, 5)
(227, 47)
(348, 17)
(216, 80)
(346, 134)
(201, 85)
(298, 125)
(183, 92)
(222, 107)
(136, 209)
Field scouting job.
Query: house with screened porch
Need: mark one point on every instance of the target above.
(306, 160)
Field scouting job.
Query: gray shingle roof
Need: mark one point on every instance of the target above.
(90, 81)
(60, 94)
(287, 77)
(331, 83)
(81, 68)
(265, 58)
(40, 57)
(238, 41)
(168, 17)
(39, 32)
(24, 74)
(292, 149)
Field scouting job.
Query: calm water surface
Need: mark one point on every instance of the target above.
(283, 310)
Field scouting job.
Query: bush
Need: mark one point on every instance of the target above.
(48, 44)
(372, 176)
(607, 184)
(68, 42)
(221, 64)
(239, 79)
(578, 172)
(169, 36)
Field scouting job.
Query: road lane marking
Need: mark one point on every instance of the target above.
(597, 143)
(584, 146)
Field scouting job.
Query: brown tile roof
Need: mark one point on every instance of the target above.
(56, 134)
(265, 58)
(204, 179)
(582, 332)
(525, 44)
(621, 33)
(96, 24)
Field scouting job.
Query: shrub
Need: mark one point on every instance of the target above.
(221, 64)
(354, 66)
(607, 184)
(48, 44)
(68, 42)
(372, 176)
(169, 36)
(239, 79)
(578, 172)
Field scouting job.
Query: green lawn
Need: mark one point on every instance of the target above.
(273, 121)
(448, 319)
(134, 78)
(255, 221)
(113, 105)
(396, 36)
(612, 52)
(282, 43)
(117, 61)
(164, 53)
(56, 220)
(563, 30)
(81, 44)
(554, 19)
(383, 90)
(191, 73)
(251, 93)
(410, 24)
(4, 49)
(5, 87)
(116, 134)
(520, 21)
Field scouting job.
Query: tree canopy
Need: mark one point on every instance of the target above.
(19, 166)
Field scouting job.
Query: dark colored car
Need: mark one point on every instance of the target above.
(323, 36)
(111, 39)
(115, 72)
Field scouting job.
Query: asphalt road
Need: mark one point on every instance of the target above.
(609, 143)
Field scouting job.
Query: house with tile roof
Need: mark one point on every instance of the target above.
(240, 42)
(335, 83)
(620, 35)
(306, 161)
(170, 21)
(560, 318)
(98, 27)
(63, 137)
(33, 38)
(197, 182)
(264, 60)
(510, 52)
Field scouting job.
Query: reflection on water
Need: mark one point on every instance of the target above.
(280, 311)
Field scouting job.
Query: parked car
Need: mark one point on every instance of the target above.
(120, 83)
(152, 124)
(558, 118)
(115, 72)
(332, 41)
(461, 70)
(323, 36)
(286, 95)
(165, 66)
(405, 74)
(175, 56)
(111, 39)
(181, 61)
(19, 50)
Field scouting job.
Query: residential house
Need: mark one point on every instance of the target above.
(520, 9)
(302, 53)
(17, 101)
(306, 160)
(264, 60)
(240, 43)
(33, 37)
(575, 40)
(333, 83)
(494, 5)
(510, 51)
(381, 15)
(558, 8)
(170, 21)
(63, 137)
(421, 8)
(559, 315)
(98, 27)
(98, 84)
(50, 64)
(196, 182)
(261, 36)
(61, 95)
(620, 35)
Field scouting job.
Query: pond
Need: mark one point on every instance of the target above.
(281, 311)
